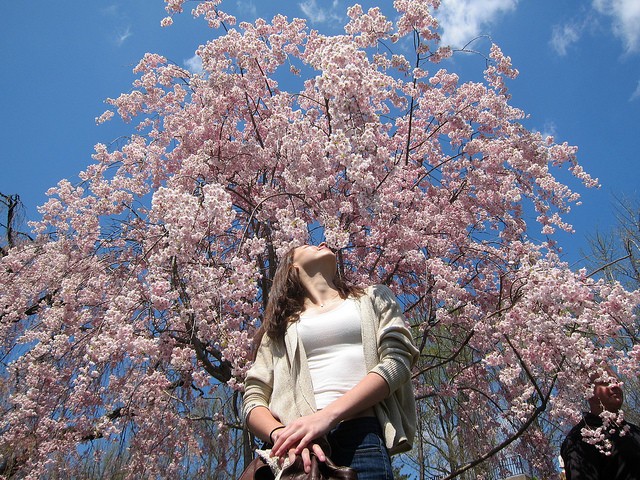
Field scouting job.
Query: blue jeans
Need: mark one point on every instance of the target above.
(358, 444)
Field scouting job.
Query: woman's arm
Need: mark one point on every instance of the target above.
(266, 427)
(262, 424)
(258, 390)
(396, 350)
(371, 390)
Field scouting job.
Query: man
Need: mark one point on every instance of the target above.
(583, 461)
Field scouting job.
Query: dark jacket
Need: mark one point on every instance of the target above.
(582, 461)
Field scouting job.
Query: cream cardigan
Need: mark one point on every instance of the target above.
(280, 379)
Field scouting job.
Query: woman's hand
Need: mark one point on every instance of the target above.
(306, 456)
(296, 438)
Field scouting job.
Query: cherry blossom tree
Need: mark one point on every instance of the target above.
(127, 322)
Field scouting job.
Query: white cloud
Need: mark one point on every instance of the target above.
(194, 64)
(318, 14)
(122, 36)
(549, 130)
(117, 18)
(463, 20)
(563, 36)
(625, 15)
(248, 8)
(636, 94)
(111, 10)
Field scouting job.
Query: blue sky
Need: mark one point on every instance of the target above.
(579, 63)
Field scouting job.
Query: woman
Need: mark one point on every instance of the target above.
(332, 361)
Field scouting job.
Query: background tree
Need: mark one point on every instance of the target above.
(615, 257)
(11, 217)
(129, 320)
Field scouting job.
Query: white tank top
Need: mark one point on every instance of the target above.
(333, 343)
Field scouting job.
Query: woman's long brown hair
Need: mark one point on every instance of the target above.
(286, 299)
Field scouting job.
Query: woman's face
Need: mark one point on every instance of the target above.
(306, 255)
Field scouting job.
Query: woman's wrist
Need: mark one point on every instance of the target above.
(271, 439)
(333, 416)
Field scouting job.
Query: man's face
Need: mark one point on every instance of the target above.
(607, 396)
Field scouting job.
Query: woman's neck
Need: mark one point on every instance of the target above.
(320, 292)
